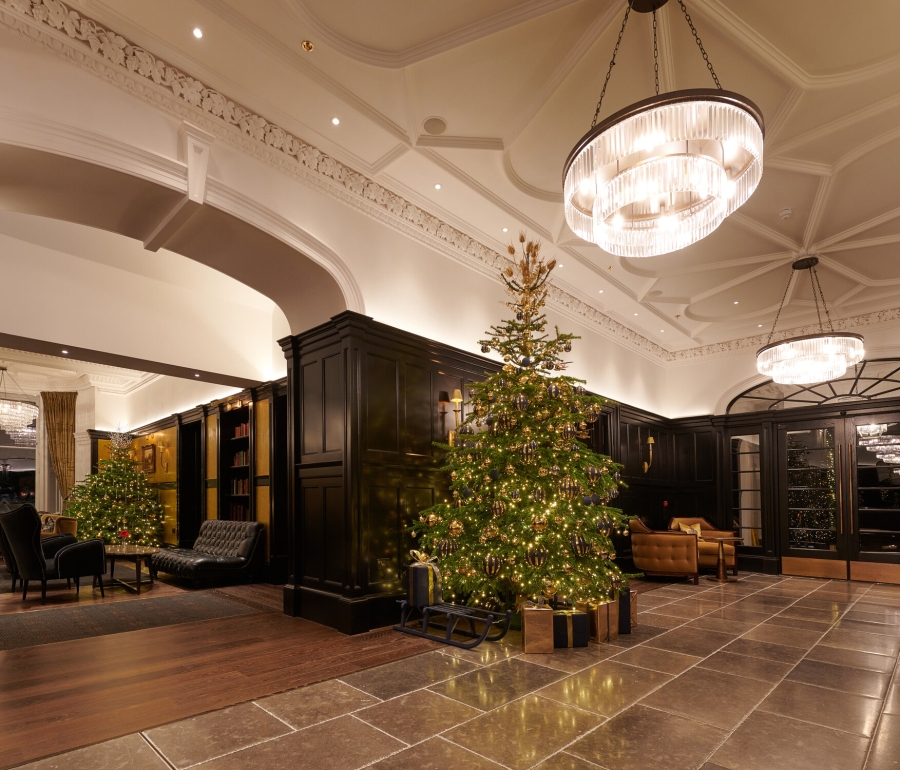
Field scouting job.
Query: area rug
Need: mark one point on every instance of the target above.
(67, 623)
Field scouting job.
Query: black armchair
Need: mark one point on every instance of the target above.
(57, 557)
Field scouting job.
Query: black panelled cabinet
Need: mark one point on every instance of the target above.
(366, 402)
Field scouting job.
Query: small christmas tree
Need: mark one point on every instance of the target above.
(117, 499)
(529, 515)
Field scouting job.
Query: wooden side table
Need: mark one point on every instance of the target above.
(721, 575)
(133, 553)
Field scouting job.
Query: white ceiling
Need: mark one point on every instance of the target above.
(517, 82)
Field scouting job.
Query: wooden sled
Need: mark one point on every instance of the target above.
(454, 616)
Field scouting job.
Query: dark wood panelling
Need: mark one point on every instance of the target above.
(705, 468)
(312, 407)
(382, 398)
(420, 401)
(333, 379)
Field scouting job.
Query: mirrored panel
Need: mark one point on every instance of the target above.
(746, 488)
(878, 486)
(811, 486)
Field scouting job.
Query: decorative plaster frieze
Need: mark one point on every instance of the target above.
(102, 52)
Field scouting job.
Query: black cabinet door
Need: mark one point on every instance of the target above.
(873, 491)
(813, 501)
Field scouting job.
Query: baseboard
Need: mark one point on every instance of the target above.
(349, 616)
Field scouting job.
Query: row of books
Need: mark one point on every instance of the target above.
(240, 486)
(242, 458)
(238, 512)
(242, 430)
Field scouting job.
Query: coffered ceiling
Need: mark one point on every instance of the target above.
(515, 84)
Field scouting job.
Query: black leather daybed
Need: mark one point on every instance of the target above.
(223, 549)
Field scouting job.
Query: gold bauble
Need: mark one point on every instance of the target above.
(549, 589)
(542, 471)
(559, 519)
(539, 523)
(422, 519)
(510, 470)
(568, 568)
(432, 519)
(456, 528)
(478, 499)
(510, 559)
(491, 531)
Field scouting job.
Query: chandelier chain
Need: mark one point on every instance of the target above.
(824, 303)
(612, 63)
(655, 55)
(780, 308)
(812, 281)
(709, 66)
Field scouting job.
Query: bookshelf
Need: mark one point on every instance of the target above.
(236, 459)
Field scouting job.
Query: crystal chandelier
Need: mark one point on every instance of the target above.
(812, 357)
(24, 437)
(14, 414)
(664, 172)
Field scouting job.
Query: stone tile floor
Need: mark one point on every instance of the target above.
(765, 673)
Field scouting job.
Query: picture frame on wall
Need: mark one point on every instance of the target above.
(148, 458)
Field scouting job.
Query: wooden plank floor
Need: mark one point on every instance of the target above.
(56, 697)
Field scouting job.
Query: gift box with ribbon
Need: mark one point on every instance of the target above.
(570, 628)
(424, 581)
(537, 627)
(603, 620)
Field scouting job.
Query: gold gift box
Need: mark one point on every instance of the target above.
(537, 629)
(603, 618)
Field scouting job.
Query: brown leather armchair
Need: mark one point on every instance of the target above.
(664, 553)
(58, 524)
(707, 545)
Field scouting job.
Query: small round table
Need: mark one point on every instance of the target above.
(134, 553)
(721, 575)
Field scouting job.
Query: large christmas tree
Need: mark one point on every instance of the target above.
(529, 513)
(117, 499)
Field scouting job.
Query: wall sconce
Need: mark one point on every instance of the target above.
(650, 443)
(457, 400)
(161, 447)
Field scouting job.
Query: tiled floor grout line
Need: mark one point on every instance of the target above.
(274, 716)
(655, 689)
(156, 751)
(374, 727)
(887, 693)
(776, 684)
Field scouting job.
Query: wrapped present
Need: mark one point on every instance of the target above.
(537, 628)
(603, 620)
(424, 581)
(624, 612)
(634, 609)
(570, 628)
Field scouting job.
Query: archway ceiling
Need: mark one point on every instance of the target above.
(517, 83)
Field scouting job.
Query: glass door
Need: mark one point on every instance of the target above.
(812, 481)
(873, 446)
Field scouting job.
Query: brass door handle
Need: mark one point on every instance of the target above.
(840, 504)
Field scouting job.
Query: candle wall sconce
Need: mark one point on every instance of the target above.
(650, 443)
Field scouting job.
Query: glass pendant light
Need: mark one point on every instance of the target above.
(812, 357)
(14, 415)
(664, 172)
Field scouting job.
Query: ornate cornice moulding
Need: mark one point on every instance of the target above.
(80, 40)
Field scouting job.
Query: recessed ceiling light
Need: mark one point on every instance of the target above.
(437, 187)
(635, 313)
(196, 375)
(198, 33)
(759, 326)
(600, 292)
(735, 302)
(336, 121)
(662, 330)
(65, 352)
(505, 229)
(560, 265)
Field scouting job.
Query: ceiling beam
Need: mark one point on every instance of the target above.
(817, 210)
(766, 232)
(887, 216)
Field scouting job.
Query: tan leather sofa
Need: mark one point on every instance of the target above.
(707, 546)
(664, 553)
(57, 524)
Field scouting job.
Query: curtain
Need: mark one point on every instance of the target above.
(59, 419)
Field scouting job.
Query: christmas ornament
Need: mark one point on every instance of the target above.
(491, 531)
(498, 507)
(492, 565)
(579, 545)
(528, 450)
(536, 556)
(456, 528)
(539, 523)
(553, 390)
(520, 401)
(538, 494)
(432, 519)
(569, 489)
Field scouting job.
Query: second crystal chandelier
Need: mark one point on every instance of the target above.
(664, 172)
